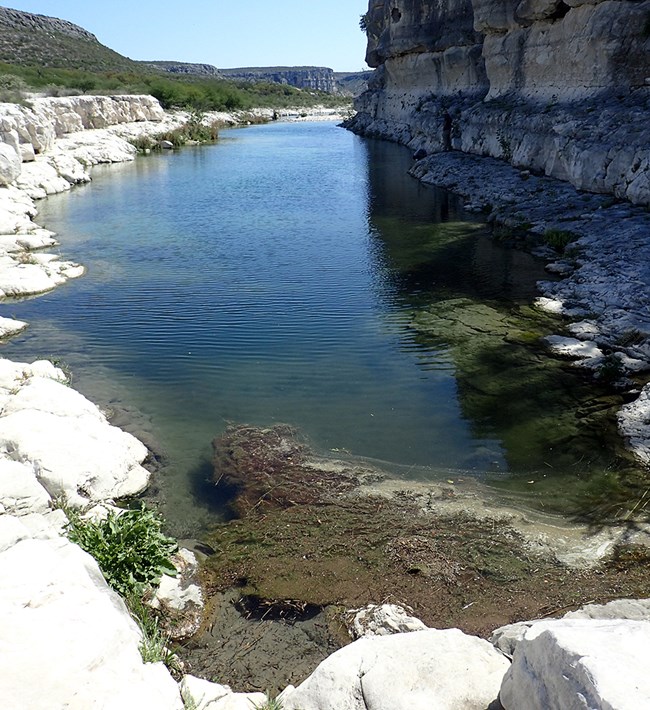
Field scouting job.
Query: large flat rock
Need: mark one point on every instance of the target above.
(66, 443)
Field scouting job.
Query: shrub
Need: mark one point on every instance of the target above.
(130, 548)
(559, 239)
(610, 370)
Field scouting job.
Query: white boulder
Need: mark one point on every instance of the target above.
(633, 609)
(506, 638)
(75, 452)
(204, 695)
(10, 326)
(446, 670)
(580, 663)
(20, 491)
(10, 164)
(381, 620)
(67, 640)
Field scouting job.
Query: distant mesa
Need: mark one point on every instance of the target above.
(308, 78)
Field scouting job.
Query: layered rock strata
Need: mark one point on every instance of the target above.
(309, 78)
(556, 87)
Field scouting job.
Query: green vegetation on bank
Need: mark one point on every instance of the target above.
(202, 94)
(130, 547)
(132, 553)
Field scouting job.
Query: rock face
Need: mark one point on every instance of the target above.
(553, 86)
(186, 68)
(310, 78)
(579, 663)
(421, 670)
(59, 621)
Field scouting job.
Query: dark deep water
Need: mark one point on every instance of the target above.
(273, 277)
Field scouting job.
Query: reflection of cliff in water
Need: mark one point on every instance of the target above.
(430, 246)
(468, 295)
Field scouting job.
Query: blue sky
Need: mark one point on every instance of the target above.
(224, 33)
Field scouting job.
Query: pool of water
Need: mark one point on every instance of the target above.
(275, 277)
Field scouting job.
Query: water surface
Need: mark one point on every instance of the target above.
(275, 277)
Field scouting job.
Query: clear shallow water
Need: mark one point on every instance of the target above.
(271, 278)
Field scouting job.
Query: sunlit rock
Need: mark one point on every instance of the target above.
(415, 671)
(381, 620)
(634, 424)
(74, 450)
(60, 623)
(211, 696)
(588, 663)
(180, 598)
(10, 164)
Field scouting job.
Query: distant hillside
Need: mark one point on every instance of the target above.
(184, 68)
(26, 38)
(352, 83)
(54, 55)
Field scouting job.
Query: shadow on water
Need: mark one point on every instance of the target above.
(467, 295)
(206, 493)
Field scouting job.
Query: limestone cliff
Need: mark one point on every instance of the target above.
(26, 132)
(310, 78)
(558, 87)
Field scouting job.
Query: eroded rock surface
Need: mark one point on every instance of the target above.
(553, 86)
(420, 670)
(579, 663)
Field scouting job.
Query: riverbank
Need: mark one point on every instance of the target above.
(597, 245)
(25, 384)
(58, 614)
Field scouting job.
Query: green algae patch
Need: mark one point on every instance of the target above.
(342, 544)
(557, 427)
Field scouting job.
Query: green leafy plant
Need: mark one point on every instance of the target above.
(130, 548)
(610, 370)
(559, 239)
(506, 148)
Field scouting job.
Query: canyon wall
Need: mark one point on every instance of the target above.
(308, 78)
(558, 87)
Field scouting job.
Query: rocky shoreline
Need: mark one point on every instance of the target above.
(57, 612)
